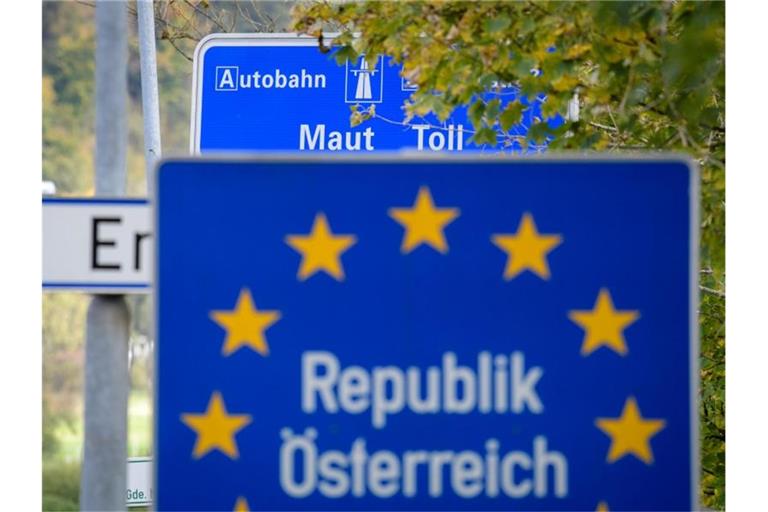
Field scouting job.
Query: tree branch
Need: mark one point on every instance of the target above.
(713, 292)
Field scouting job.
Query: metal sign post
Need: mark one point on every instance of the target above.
(103, 477)
(145, 12)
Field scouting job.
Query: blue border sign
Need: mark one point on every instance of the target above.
(401, 333)
(278, 92)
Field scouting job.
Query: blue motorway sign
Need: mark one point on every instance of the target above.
(426, 334)
(257, 92)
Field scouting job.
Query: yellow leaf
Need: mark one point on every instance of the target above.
(565, 83)
(577, 50)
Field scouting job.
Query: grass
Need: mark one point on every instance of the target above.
(139, 424)
(61, 485)
(61, 471)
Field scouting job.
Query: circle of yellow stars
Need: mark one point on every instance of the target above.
(424, 224)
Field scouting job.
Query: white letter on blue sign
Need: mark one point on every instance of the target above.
(453, 376)
(467, 474)
(544, 459)
(313, 381)
(332, 467)
(226, 80)
(524, 386)
(319, 136)
(291, 443)
(382, 404)
(354, 390)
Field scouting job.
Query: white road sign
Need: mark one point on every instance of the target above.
(97, 245)
(139, 488)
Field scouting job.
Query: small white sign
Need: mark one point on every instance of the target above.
(97, 245)
(139, 489)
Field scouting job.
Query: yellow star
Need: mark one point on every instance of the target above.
(215, 428)
(604, 325)
(602, 507)
(241, 505)
(245, 325)
(321, 249)
(423, 223)
(630, 433)
(527, 249)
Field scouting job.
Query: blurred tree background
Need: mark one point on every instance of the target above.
(68, 150)
(644, 75)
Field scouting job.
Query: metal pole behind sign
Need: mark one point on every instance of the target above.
(150, 103)
(103, 479)
(145, 13)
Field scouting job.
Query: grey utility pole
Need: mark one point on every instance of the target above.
(103, 479)
(150, 104)
(145, 13)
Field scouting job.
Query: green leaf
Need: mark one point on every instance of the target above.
(492, 110)
(475, 112)
(511, 116)
(345, 53)
(484, 135)
(539, 132)
(497, 24)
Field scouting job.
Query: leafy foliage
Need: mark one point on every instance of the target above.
(644, 75)
(63, 324)
(68, 89)
(68, 80)
(61, 486)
